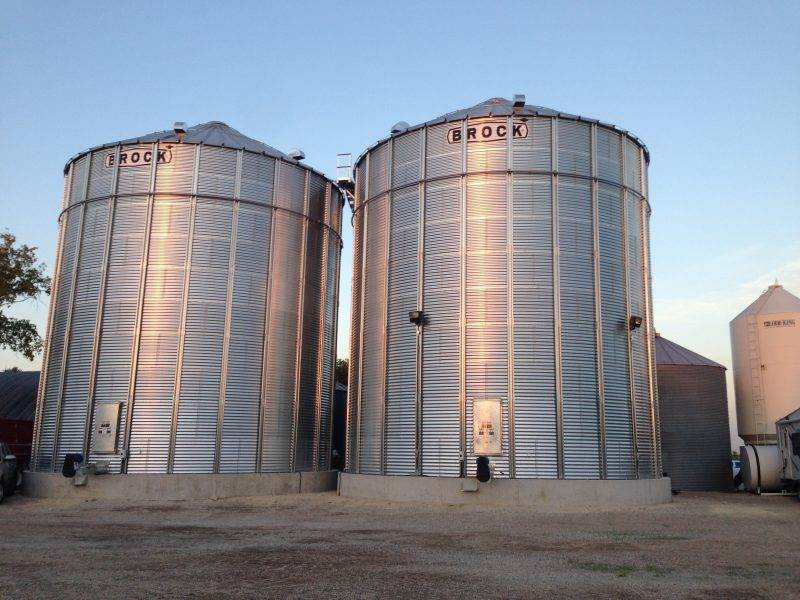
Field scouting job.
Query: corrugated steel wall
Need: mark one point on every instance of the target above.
(527, 256)
(165, 301)
(694, 427)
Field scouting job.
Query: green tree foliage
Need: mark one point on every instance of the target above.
(21, 278)
(342, 367)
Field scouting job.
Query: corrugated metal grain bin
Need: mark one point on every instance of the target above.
(515, 240)
(693, 405)
(192, 323)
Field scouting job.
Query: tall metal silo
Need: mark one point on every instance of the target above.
(693, 410)
(192, 323)
(765, 340)
(515, 240)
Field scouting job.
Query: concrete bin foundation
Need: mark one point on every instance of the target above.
(539, 493)
(177, 487)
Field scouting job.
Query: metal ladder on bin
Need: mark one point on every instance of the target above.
(756, 381)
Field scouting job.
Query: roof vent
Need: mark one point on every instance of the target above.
(179, 127)
(519, 102)
(400, 127)
(297, 154)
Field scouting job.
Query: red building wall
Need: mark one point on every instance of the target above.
(18, 435)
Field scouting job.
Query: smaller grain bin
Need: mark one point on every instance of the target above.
(693, 405)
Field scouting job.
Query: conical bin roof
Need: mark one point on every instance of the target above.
(774, 300)
(670, 353)
(213, 133)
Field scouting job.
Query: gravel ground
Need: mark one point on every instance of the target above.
(700, 546)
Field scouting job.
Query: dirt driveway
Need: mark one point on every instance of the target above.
(700, 546)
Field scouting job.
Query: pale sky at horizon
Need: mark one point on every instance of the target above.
(712, 88)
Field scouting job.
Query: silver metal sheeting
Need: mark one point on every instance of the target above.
(693, 409)
(527, 253)
(501, 107)
(213, 133)
(200, 292)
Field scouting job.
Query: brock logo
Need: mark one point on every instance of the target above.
(136, 157)
(487, 132)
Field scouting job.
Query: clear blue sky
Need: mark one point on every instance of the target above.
(713, 88)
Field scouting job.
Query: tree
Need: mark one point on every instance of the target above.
(21, 278)
(342, 367)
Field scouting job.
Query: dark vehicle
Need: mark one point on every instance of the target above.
(10, 472)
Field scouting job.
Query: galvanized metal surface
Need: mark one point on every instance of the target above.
(500, 107)
(693, 411)
(213, 133)
(179, 286)
(52, 343)
(527, 255)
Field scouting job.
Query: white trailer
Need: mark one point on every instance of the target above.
(788, 429)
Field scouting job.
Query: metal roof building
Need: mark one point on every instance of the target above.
(693, 405)
(192, 323)
(18, 395)
(17, 409)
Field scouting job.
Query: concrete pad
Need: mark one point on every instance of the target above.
(143, 487)
(543, 493)
(318, 481)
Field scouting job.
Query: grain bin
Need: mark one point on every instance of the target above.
(765, 340)
(693, 409)
(502, 262)
(192, 323)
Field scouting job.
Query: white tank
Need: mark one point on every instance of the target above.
(765, 341)
(762, 468)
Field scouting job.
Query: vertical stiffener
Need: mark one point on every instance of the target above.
(192, 319)
(502, 254)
